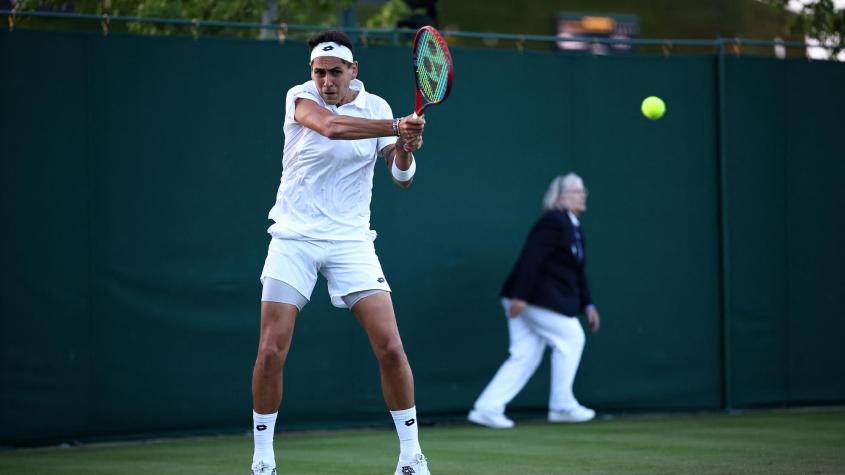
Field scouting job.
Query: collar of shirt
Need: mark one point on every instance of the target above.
(573, 219)
(357, 85)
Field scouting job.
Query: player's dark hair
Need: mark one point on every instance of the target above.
(338, 37)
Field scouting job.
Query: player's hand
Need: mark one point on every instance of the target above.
(410, 145)
(593, 318)
(411, 128)
(517, 306)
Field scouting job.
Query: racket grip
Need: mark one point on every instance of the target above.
(415, 116)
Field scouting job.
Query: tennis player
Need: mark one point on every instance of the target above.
(334, 132)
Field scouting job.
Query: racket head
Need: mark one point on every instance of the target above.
(433, 68)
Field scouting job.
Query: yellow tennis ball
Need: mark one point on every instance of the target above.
(653, 107)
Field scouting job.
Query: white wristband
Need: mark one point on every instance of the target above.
(404, 175)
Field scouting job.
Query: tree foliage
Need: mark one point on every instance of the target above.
(389, 14)
(315, 12)
(818, 19)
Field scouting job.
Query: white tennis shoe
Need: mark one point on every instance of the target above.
(488, 419)
(261, 468)
(576, 414)
(418, 467)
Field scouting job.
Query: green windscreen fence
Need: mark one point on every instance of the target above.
(785, 174)
(137, 173)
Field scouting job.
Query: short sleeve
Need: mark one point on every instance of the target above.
(294, 93)
(384, 112)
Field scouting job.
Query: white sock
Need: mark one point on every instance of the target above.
(263, 427)
(406, 428)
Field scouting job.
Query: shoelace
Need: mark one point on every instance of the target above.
(420, 461)
(261, 467)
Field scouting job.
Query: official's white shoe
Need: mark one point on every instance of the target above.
(488, 419)
(577, 414)
(418, 467)
(261, 468)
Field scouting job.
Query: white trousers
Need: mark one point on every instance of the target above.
(529, 333)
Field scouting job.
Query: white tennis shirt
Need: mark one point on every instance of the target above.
(327, 185)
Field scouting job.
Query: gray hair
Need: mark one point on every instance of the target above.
(556, 189)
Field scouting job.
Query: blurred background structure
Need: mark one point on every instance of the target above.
(140, 158)
(814, 20)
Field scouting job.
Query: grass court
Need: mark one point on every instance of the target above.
(808, 441)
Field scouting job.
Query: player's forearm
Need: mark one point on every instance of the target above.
(342, 127)
(402, 157)
(402, 160)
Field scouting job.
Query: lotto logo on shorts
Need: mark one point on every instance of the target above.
(380, 280)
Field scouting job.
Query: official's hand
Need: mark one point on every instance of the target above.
(593, 318)
(411, 128)
(517, 306)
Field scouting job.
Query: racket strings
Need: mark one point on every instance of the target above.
(432, 68)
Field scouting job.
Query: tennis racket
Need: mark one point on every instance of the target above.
(432, 67)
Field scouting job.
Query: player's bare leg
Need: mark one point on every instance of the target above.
(277, 322)
(375, 313)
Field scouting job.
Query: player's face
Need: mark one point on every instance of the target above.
(332, 77)
(574, 197)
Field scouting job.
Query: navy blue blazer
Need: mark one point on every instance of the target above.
(548, 273)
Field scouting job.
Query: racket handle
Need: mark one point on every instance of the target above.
(415, 116)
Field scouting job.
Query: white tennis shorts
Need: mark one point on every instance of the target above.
(348, 266)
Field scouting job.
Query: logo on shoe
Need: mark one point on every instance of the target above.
(407, 470)
(410, 422)
(261, 427)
